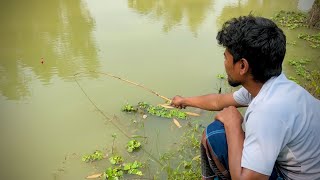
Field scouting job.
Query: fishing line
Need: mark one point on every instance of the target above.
(110, 119)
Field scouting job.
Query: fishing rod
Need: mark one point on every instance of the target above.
(134, 83)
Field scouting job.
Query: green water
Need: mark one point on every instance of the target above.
(46, 121)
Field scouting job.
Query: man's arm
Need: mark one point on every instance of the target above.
(211, 102)
(235, 139)
(232, 120)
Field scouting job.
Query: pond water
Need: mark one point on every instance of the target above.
(47, 122)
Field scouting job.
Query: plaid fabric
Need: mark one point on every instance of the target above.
(214, 154)
(209, 168)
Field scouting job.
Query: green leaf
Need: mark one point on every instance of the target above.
(135, 165)
(137, 144)
(127, 166)
(114, 173)
(133, 145)
(112, 161)
(116, 159)
(97, 155)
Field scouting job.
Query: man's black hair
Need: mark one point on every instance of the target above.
(259, 41)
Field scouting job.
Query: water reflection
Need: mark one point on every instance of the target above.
(173, 12)
(266, 8)
(305, 5)
(58, 31)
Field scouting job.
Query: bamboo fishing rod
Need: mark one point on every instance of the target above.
(134, 83)
(130, 82)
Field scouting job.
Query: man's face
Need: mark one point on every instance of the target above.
(230, 69)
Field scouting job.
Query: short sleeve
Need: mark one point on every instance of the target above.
(264, 139)
(242, 97)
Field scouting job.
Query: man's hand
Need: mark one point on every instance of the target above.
(230, 116)
(232, 119)
(177, 102)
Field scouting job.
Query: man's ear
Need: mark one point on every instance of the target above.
(244, 66)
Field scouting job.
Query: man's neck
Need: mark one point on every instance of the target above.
(253, 87)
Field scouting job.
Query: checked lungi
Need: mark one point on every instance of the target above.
(214, 154)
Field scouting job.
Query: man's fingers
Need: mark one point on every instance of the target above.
(172, 104)
(217, 117)
(176, 106)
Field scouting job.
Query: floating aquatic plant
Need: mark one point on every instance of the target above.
(95, 156)
(314, 40)
(129, 108)
(116, 159)
(300, 67)
(290, 19)
(133, 168)
(221, 76)
(292, 43)
(161, 111)
(133, 145)
(113, 173)
(187, 154)
(293, 79)
(311, 78)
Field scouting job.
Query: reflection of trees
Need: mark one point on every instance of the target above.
(59, 31)
(265, 7)
(173, 11)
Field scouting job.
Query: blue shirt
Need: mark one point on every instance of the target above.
(282, 124)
